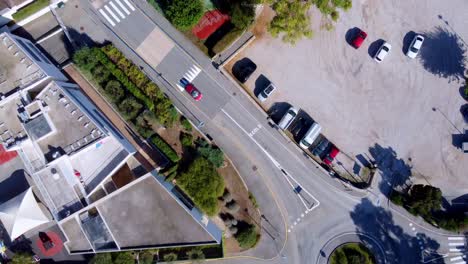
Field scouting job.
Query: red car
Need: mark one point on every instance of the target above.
(331, 155)
(193, 91)
(359, 39)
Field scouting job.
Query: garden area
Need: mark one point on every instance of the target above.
(426, 201)
(352, 253)
(211, 25)
(195, 165)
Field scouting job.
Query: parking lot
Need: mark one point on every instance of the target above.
(402, 113)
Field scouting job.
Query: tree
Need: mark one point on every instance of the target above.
(246, 236)
(114, 90)
(291, 20)
(85, 59)
(100, 74)
(242, 15)
(196, 255)
(21, 258)
(130, 108)
(101, 258)
(170, 258)
(184, 14)
(424, 200)
(213, 154)
(146, 257)
(186, 139)
(203, 184)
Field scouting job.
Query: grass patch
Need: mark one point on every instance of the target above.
(352, 253)
(30, 9)
(253, 200)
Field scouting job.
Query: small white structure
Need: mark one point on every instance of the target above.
(21, 214)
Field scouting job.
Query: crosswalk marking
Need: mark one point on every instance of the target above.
(456, 249)
(129, 5)
(456, 258)
(192, 73)
(457, 244)
(112, 13)
(123, 7)
(460, 262)
(117, 10)
(456, 238)
(106, 17)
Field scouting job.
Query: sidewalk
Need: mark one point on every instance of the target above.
(150, 158)
(235, 47)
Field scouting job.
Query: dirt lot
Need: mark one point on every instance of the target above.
(403, 113)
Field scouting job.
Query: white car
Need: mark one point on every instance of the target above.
(263, 95)
(382, 52)
(415, 46)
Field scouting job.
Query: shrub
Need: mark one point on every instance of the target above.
(196, 254)
(170, 257)
(130, 108)
(101, 258)
(334, 15)
(203, 184)
(100, 74)
(233, 207)
(85, 59)
(146, 258)
(352, 253)
(114, 90)
(124, 257)
(223, 43)
(185, 124)
(186, 139)
(247, 236)
(397, 198)
(213, 154)
(165, 148)
(23, 257)
(184, 14)
(242, 15)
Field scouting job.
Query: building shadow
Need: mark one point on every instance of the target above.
(397, 245)
(443, 54)
(407, 41)
(278, 110)
(374, 47)
(394, 171)
(464, 112)
(260, 84)
(458, 139)
(13, 186)
(350, 34)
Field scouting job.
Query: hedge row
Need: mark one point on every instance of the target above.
(165, 148)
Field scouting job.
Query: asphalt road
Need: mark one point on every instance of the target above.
(296, 228)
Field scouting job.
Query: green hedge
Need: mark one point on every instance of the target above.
(350, 253)
(165, 148)
(30, 9)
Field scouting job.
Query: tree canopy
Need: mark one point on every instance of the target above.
(184, 14)
(203, 184)
(291, 20)
(424, 199)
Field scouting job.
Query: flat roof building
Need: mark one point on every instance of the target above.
(81, 167)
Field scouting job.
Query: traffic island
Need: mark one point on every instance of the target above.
(352, 253)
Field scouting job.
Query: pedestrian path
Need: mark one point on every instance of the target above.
(457, 245)
(116, 10)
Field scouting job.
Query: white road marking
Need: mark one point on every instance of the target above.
(180, 87)
(255, 130)
(456, 249)
(414, 228)
(456, 244)
(117, 10)
(276, 163)
(51, 35)
(460, 262)
(123, 7)
(129, 5)
(456, 238)
(410, 224)
(112, 13)
(192, 73)
(456, 258)
(107, 17)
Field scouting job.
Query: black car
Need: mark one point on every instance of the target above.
(243, 72)
(321, 147)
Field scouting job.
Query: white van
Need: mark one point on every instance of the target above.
(288, 118)
(310, 136)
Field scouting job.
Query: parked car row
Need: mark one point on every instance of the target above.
(385, 47)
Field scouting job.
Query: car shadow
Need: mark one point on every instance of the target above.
(277, 111)
(350, 34)
(374, 47)
(407, 41)
(240, 64)
(260, 84)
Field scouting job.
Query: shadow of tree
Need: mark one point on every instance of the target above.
(398, 246)
(394, 171)
(443, 54)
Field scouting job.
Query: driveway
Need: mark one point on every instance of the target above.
(402, 113)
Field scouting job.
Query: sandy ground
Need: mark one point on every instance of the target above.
(405, 109)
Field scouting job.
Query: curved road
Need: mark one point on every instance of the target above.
(296, 228)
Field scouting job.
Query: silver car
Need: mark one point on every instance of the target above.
(263, 95)
(415, 46)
